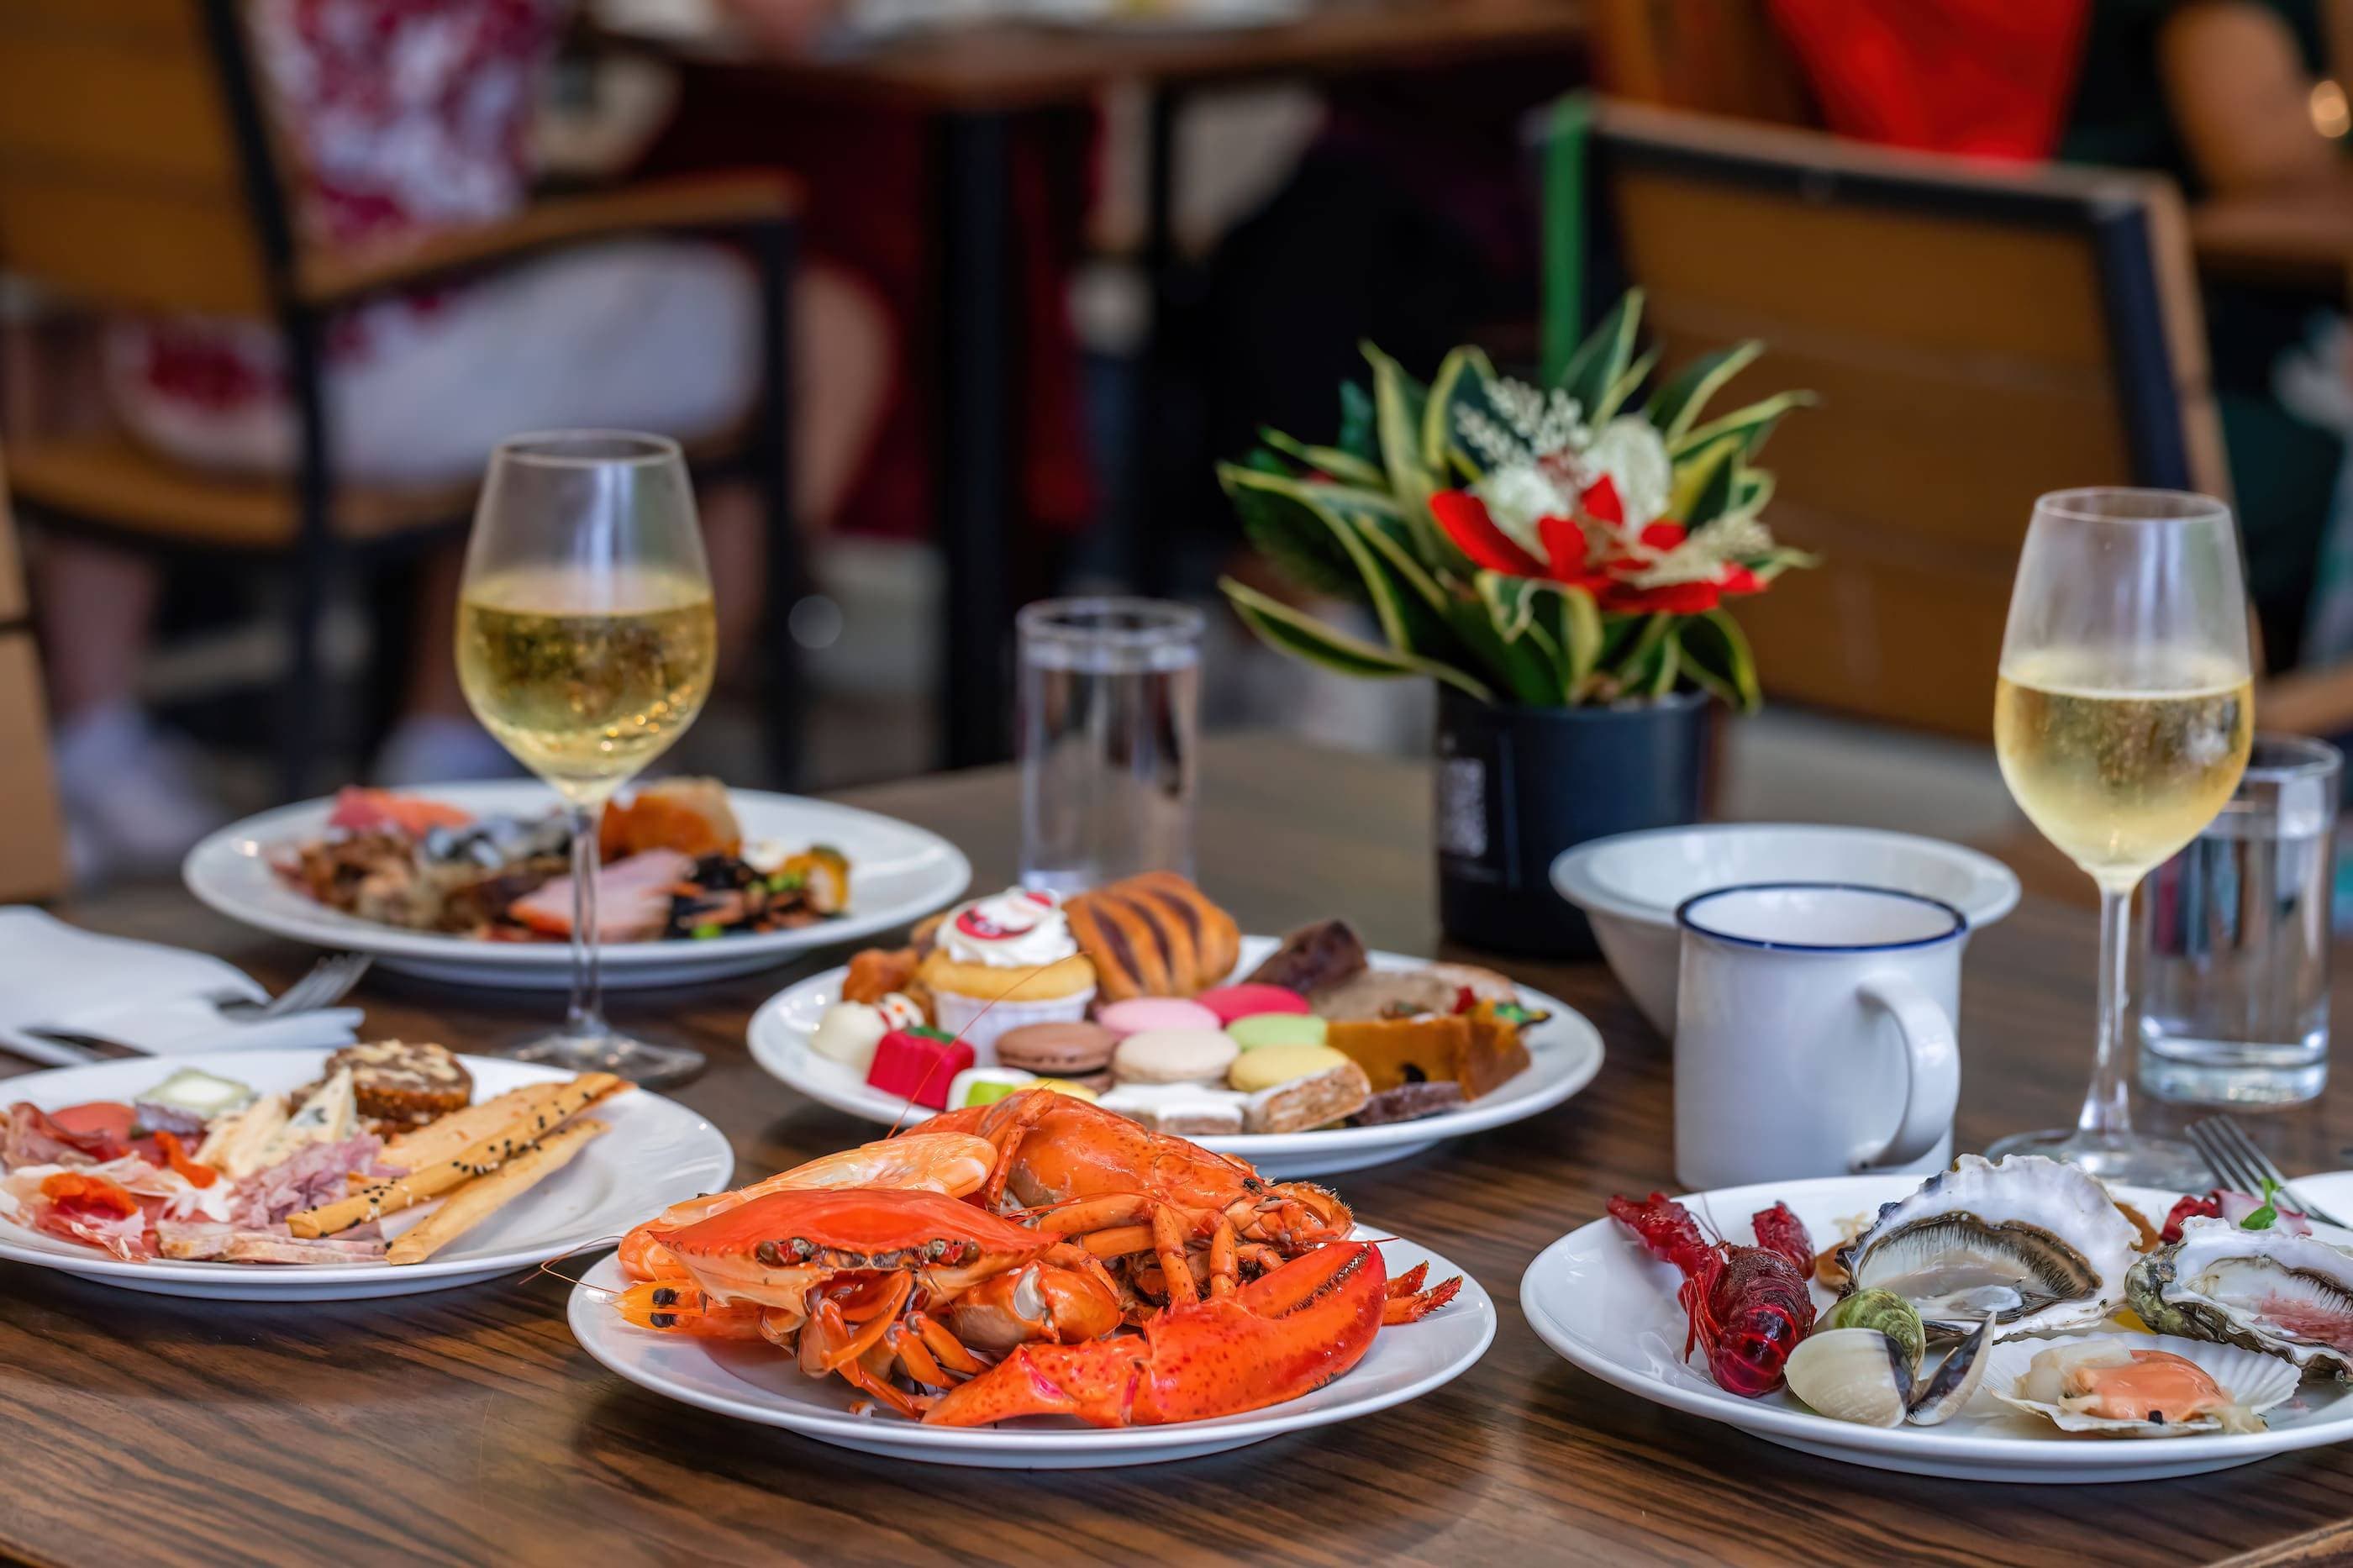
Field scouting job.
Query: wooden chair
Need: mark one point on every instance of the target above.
(1978, 335)
(139, 174)
(32, 832)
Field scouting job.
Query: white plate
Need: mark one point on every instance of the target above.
(1600, 1300)
(755, 1383)
(658, 1153)
(1563, 1051)
(898, 873)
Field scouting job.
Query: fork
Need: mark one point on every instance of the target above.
(2243, 1166)
(328, 982)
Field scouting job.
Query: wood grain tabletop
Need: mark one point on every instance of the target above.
(465, 1426)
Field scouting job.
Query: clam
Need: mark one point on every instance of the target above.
(2271, 1291)
(2139, 1386)
(1865, 1375)
(2035, 1242)
(1956, 1378)
(1889, 1313)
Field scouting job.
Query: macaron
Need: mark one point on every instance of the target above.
(1056, 1050)
(1250, 999)
(1262, 1029)
(1174, 1056)
(1271, 1065)
(1137, 1013)
(986, 1086)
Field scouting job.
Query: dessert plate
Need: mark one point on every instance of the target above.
(756, 1382)
(898, 874)
(1600, 1301)
(1564, 1052)
(658, 1153)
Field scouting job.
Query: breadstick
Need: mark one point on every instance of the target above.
(448, 1137)
(380, 1198)
(485, 1196)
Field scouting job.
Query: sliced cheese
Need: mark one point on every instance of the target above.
(331, 1115)
(238, 1144)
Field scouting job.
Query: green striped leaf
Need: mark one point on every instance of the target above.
(1751, 423)
(1302, 636)
(1601, 360)
(1716, 656)
(1676, 406)
(1345, 467)
(1624, 387)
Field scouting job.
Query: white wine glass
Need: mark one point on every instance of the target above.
(587, 645)
(2122, 720)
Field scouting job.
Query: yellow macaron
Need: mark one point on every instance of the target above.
(1270, 1065)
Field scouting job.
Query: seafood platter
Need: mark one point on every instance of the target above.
(381, 1169)
(472, 883)
(1032, 1282)
(1305, 1054)
(2009, 1321)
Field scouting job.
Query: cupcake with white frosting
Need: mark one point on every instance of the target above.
(999, 962)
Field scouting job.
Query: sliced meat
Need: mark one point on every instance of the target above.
(359, 810)
(632, 899)
(197, 1242)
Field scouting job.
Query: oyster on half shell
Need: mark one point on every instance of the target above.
(2037, 1242)
(2271, 1291)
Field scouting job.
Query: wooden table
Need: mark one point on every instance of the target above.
(969, 84)
(466, 1426)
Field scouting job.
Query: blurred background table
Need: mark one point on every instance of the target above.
(970, 83)
(466, 1427)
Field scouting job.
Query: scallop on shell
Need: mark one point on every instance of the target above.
(2037, 1242)
(2251, 1382)
(2271, 1291)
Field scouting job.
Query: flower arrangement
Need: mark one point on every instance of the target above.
(1548, 546)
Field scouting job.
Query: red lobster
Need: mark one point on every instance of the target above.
(1749, 1306)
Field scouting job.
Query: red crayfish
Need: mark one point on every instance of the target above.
(1749, 1306)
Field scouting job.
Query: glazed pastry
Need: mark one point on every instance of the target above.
(1155, 935)
(1003, 961)
(1080, 1050)
(1260, 1029)
(1409, 1103)
(1250, 1000)
(918, 1065)
(1138, 1014)
(848, 1033)
(1184, 1109)
(1297, 1104)
(1313, 957)
(986, 1086)
(1174, 1056)
(876, 971)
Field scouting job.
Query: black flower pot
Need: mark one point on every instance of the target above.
(1517, 785)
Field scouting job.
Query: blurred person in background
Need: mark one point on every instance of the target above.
(2230, 98)
(401, 117)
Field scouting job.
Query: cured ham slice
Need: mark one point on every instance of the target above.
(359, 810)
(632, 899)
(200, 1243)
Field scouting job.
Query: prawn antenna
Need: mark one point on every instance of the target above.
(548, 1266)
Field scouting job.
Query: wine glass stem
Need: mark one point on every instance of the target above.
(2107, 1112)
(587, 1017)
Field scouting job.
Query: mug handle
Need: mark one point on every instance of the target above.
(1931, 1058)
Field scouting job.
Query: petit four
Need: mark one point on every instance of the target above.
(1313, 957)
(1409, 1103)
(848, 1033)
(1478, 1050)
(1271, 1065)
(900, 1011)
(876, 971)
(1066, 1086)
(1311, 1100)
(1081, 1051)
(918, 1065)
(1248, 1000)
(1186, 1110)
(1260, 1029)
(1153, 935)
(986, 1086)
(1174, 1056)
(1002, 962)
(1141, 1013)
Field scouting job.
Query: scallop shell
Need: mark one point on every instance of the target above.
(2251, 1379)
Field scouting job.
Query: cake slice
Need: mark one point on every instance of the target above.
(403, 1083)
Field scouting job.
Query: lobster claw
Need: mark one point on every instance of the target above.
(1282, 1335)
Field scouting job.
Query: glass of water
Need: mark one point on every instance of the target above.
(1109, 714)
(2234, 985)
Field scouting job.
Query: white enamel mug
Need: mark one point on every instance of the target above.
(1815, 1033)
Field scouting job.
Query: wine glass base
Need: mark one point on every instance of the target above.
(607, 1049)
(2132, 1158)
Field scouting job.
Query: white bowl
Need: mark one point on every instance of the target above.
(1628, 885)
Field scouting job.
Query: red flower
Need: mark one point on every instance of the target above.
(1601, 502)
(1464, 518)
(1568, 558)
(1672, 598)
(1739, 579)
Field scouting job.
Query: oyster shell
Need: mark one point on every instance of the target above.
(2270, 1290)
(2036, 1242)
(2033, 1375)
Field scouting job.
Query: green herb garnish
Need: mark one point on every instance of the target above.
(2267, 1216)
(707, 929)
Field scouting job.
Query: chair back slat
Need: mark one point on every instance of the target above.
(1978, 338)
(121, 181)
(32, 836)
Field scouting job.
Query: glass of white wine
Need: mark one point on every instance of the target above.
(2122, 720)
(586, 644)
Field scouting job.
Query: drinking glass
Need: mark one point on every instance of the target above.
(586, 644)
(2234, 956)
(1108, 715)
(2122, 718)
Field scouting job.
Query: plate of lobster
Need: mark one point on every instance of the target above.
(2013, 1320)
(1037, 1283)
(1304, 1055)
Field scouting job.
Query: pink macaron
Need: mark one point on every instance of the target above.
(1251, 998)
(1138, 1014)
